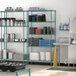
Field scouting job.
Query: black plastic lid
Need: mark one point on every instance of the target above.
(17, 20)
(13, 18)
(3, 18)
(20, 20)
(8, 18)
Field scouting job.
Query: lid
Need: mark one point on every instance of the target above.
(65, 24)
(8, 18)
(3, 18)
(21, 20)
(43, 14)
(16, 20)
(13, 18)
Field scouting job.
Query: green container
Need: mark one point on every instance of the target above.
(33, 19)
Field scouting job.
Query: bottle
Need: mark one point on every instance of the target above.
(61, 27)
(12, 21)
(65, 26)
(16, 24)
(8, 22)
(3, 21)
(21, 23)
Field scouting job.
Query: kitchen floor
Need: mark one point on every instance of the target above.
(41, 70)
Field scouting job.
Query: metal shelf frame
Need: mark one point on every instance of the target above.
(30, 24)
(27, 26)
(4, 15)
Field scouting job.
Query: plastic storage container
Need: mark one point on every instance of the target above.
(38, 31)
(48, 58)
(46, 43)
(34, 56)
(42, 56)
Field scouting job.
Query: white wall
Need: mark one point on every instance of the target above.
(64, 8)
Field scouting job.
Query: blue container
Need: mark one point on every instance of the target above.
(46, 43)
(35, 15)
